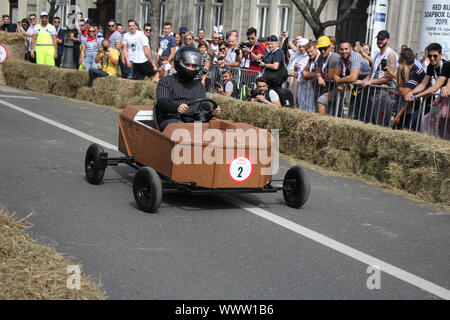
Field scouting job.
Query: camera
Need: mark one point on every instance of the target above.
(237, 51)
(217, 85)
(244, 44)
(255, 93)
(204, 70)
(383, 64)
(105, 48)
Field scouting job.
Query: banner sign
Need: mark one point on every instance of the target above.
(435, 25)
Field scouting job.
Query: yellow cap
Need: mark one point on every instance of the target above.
(323, 42)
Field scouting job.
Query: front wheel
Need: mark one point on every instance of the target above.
(93, 166)
(296, 187)
(147, 190)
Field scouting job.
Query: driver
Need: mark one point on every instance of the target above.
(174, 91)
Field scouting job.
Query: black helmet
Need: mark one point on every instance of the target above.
(188, 55)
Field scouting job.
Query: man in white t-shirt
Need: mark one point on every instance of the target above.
(29, 34)
(44, 40)
(136, 52)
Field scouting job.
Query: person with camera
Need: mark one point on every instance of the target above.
(252, 51)
(263, 94)
(108, 60)
(228, 85)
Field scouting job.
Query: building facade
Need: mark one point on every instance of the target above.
(401, 17)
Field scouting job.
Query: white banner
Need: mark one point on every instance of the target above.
(379, 22)
(435, 25)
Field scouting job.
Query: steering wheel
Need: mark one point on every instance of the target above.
(201, 114)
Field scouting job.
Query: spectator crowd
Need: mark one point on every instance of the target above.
(388, 88)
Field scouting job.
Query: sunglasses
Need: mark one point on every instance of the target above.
(216, 38)
(431, 56)
(251, 38)
(82, 25)
(188, 39)
(91, 30)
(149, 30)
(111, 25)
(324, 49)
(222, 49)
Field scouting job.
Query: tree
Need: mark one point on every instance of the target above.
(312, 15)
(52, 11)
(155, 20)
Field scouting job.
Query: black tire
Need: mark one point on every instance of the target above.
(147, 190)
(296, 192)
(92, 164)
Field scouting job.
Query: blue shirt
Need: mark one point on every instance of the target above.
(165, 44)
(60, 36)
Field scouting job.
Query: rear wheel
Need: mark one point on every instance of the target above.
(93, 165)
(147, 190)
(296, 187)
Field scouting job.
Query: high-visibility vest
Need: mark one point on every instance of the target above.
(44, 38)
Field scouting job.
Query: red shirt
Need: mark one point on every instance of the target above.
(257, 49)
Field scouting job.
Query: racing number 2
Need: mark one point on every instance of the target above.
(240, 169)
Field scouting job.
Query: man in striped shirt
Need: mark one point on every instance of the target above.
(416, 76)
(351, 67)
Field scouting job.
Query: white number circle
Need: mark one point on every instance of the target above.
(3, 53)
(240, 169)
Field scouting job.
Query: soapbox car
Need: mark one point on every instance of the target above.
(164, 160)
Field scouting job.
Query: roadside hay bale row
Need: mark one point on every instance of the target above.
(62, 82)
(409, 161)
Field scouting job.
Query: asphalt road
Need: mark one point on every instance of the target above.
(211, 247)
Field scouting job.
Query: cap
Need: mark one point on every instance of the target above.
(383, 34)
(323, 42)
(227, 70)
(44, 13)
(183, 30)
(227, 34)
(302, 42)
(272, 38)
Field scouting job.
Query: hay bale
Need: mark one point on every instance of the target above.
(86, 94)
(60, 89)
(428, 184)
(35, 271)
(38, 85)
(11, 37)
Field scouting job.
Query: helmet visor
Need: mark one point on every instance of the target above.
(191, 59)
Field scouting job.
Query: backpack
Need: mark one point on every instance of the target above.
(240, 91)
(276, 78)
(286, 97)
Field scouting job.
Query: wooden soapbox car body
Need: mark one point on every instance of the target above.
(149, 151)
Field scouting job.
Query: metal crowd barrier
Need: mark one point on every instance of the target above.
(379, 105)
(243, 76)
(374, 104)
